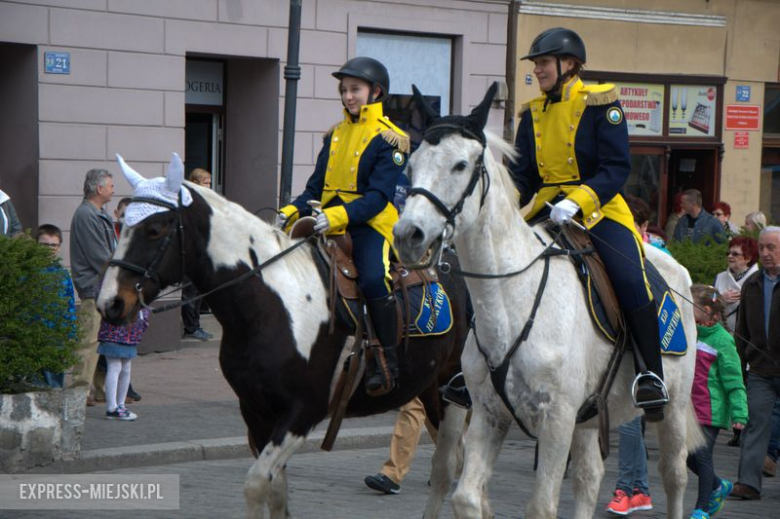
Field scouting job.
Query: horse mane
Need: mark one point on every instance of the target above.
(508, 151)
(267, 238)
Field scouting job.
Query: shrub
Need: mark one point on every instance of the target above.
(37, 331)
(704, 260)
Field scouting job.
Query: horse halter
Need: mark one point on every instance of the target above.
(148, 272)
(479, 172)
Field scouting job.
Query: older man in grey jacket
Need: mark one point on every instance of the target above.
(92, 242)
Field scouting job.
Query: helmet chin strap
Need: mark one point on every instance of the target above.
(554, 93)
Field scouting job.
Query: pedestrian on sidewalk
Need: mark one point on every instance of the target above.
(119, 345)
(718, 395)
(632, 492)
(758, 343)
(403, 444)
(92, 242)
(190, 312)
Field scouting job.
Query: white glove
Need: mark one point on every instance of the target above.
(564, 211)
(280, 221)
(322, 225)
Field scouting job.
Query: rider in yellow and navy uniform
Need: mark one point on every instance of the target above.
(574, 153)
(355, 177)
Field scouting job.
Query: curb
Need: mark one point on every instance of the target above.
(208, 450)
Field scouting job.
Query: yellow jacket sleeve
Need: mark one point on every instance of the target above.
(338, 218)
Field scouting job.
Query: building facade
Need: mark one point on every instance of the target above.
(84, 79)
(699, 84)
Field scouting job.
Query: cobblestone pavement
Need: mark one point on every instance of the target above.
(330, 485)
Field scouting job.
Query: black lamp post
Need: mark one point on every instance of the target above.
(292, 73)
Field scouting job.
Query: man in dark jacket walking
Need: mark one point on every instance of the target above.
(92, 242)
(758, 342)
(697, 224)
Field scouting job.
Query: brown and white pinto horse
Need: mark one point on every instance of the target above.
(276, 352)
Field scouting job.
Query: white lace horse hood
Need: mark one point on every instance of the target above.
(163, 189)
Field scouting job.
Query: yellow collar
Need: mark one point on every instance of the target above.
(368, 114)
(570, 88)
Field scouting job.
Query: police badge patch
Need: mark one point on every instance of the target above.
(614, 115)
(398, 158)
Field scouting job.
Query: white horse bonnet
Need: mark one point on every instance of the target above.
(163, 189)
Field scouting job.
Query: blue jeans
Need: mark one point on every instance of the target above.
(774, 435)
(632, 458)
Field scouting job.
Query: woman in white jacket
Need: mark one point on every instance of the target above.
(742, 256)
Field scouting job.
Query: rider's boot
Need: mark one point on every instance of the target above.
(456, 392)
(649, 391)
(384, 319)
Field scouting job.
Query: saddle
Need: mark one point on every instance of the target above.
(336, 252)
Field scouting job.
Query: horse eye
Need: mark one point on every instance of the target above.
(155, 230)
(460, 166)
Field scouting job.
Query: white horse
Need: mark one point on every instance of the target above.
(560, 364)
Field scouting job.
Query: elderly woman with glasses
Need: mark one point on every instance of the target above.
(742, 255)
(722, 211)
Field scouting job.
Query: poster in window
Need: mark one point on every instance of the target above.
(692, 110)
(643, 106)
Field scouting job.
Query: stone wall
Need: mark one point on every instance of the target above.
(37, 429)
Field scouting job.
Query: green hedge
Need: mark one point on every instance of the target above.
(703, 260)
(36, 332)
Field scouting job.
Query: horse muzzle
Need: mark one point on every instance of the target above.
(118, 310)
(415, 248)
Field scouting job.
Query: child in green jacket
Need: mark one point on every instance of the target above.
(718, 396)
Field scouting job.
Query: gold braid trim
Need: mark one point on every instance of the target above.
(602, 98)
(331, 129)
(401, 142)
(524, 108)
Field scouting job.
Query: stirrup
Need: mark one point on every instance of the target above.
(455, 392)
(658, 382)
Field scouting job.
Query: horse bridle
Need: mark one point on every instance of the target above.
(148, 273)
(479, 172)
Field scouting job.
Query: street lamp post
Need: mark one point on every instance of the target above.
(292, 73)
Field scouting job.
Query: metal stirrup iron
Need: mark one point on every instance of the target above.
(658, 382)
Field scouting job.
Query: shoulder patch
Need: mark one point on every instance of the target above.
(398, 157)
(599, 95)
(615, 115)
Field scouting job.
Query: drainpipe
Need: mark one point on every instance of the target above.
(511, 71)
(292, 73)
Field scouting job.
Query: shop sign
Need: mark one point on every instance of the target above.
(742, 117)
(692, 110)
(643, 106)
(743, 93)
(741, 140)
(204, 85)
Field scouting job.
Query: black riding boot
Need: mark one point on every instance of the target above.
(649, 389)
(384, 319)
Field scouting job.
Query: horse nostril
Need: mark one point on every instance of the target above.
(418, 236)
(115, 309)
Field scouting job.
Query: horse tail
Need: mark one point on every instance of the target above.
(694, 438)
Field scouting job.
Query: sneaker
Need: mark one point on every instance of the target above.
(382, 483)
(200, 334)
(120, 413)
(620, 504)
(700, 514)
(718, 496)
(640, 501)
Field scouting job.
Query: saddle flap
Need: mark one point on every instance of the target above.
(344, 272)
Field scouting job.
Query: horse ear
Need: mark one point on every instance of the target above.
(428, 113)
(480, 113)
(175, 176)
(133, 177)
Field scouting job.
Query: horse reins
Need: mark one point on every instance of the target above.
(149, 273)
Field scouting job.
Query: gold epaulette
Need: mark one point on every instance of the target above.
(397, 140)
(331, 129)
(599, 95)
(524, 108)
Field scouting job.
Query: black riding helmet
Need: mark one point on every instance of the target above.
(367, 69)
(558, 42)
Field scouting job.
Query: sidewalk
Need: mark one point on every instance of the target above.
(188, 412)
